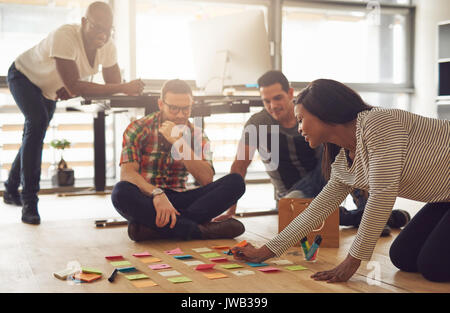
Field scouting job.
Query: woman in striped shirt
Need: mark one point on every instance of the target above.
(388, 152)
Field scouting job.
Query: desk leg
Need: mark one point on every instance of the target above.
(99, 152)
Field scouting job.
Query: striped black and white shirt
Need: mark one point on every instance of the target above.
(398, 153)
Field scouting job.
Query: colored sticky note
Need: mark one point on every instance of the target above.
(200, 250)
(215, 275)
(281, 262)
(182, 257)
(230, 266)
(120, 263)
(136, 276)
(257, 264)
(243, 272)
(221, 247)
(174, 251)
(296, 268)
(149, 260)
(202, 267)
(142, 254)
(114, 257)
(90, 270)
(181, 279)
(169, 273)
(87, 277)
(159, 266)
(210, 255)
(144, 283)
(192, 263)
(221, 259)
(269, 269)
(127, 269)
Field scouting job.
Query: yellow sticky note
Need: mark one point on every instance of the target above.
(215, 275)
(144, 283)
(181, 279)
(149, 260)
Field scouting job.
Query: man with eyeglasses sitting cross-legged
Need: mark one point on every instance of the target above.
(159, 151)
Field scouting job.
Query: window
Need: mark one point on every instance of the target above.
(163, 48)
(345, 43)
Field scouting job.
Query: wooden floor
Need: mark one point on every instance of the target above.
(30, 254)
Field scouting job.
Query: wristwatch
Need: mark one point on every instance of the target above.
(156, 192)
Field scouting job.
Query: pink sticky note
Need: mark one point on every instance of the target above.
(202, 267)
(114, 257)
(175, 251)
(159, 266)
(219, 260)
(269, 269)
(142, 254)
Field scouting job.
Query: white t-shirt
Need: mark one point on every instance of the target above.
(39, 66)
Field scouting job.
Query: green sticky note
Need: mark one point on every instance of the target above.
(296, 268)
(210, 255)
(90, 270)
(181, 279)
(229, 266)
(137, 276)
(120, 263)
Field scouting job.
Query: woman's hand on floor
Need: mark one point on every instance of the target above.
(341, 273)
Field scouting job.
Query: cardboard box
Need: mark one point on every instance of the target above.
(290, 208)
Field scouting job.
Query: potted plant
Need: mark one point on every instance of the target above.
(64, 175)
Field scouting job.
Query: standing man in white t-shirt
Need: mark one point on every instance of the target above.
(57, 69)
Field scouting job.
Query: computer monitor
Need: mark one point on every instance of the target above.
(230, 50)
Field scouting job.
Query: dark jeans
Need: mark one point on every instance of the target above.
(423, 246)
(196, 206)
(38, 111)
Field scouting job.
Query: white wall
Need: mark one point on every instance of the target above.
(428, 14)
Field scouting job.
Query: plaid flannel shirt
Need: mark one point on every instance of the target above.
(142, 143)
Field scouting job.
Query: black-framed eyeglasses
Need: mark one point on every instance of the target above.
(100, 29)
(174, 109)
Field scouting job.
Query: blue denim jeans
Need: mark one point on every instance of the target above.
(196, 206)
(38, 111)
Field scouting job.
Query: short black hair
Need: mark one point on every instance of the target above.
(272, 77)
(176, 86)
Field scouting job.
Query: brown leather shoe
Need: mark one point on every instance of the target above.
(138, 232)
(229, 228)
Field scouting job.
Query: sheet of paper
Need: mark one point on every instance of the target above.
(221, 247)
(149, 259)
(144, 283)
(281, 262)
(120, 263)
(200, 250)
(181, 279)
(127, 269)
(202, 267)
(210, 255)
(257, 264)
(182, 257)
(174, 251)
(86, 277)
(193, 263)
(215, 275)
(221, 259)
(230, 266)
(269, 269)
(159, 266)
(243, 272)
(114, 257)
(169, 273)
(142, 254)
(90, 270)
(296, 268)
(137, 276)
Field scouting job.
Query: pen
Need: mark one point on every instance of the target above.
(314, 247)
(113, 276)
(305, 248)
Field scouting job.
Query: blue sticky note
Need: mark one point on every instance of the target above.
(181, 257)
(126, 269)
(257, 264)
